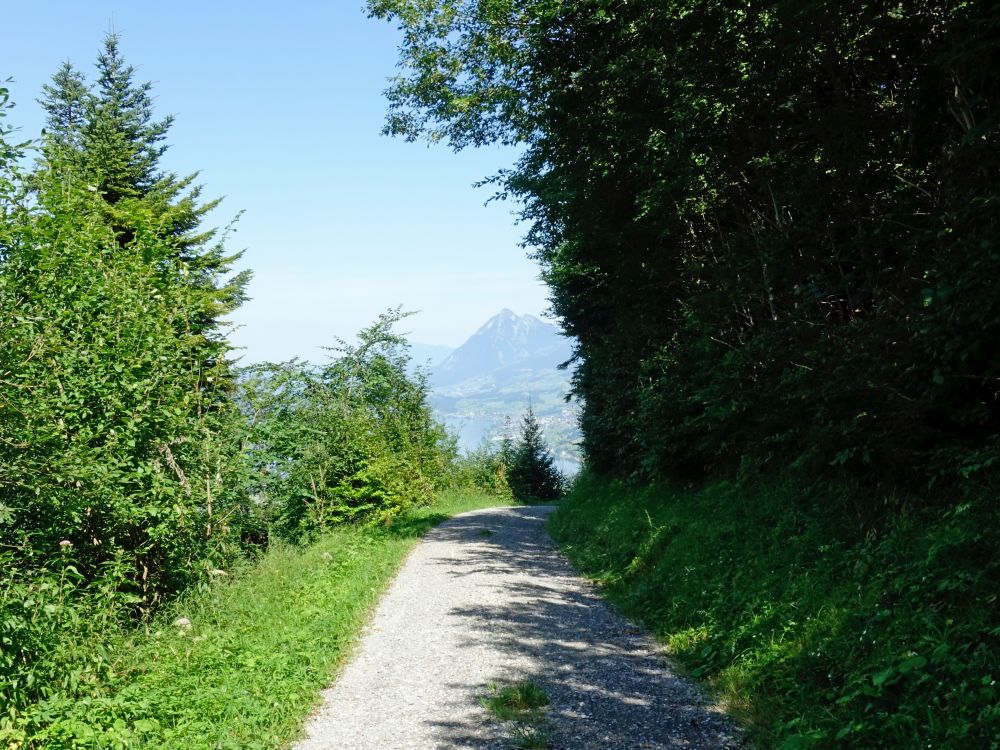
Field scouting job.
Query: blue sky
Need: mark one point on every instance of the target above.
(279, 106)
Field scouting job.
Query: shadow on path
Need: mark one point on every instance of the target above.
(609, 687)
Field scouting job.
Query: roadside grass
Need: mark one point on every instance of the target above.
(239, 664)
(820, 622)
(520, 706)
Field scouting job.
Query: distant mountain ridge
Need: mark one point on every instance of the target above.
(505, 346)
(510, 362)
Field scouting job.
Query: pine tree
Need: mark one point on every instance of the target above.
(122, 141)
(110, 136)
(65, 102)
(533, 475)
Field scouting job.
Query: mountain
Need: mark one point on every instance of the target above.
(484, 386)
(506, 346)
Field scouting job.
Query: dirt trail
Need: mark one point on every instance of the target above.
(486, 598)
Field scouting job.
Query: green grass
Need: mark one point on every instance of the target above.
(531, 737)
(514, 701)
(815, 628)
(261, 644)
(521, 704)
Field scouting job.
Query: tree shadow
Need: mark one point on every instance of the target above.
(608, 685)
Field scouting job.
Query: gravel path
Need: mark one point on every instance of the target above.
(486, 598)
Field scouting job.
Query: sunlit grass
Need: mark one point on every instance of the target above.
(257, 646)
(813, 628)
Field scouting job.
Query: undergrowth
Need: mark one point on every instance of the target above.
(821, 629)
(236, 665)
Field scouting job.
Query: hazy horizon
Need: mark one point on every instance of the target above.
(280, 110)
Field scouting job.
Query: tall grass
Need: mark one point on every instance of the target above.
(236, 665)
(818, 629)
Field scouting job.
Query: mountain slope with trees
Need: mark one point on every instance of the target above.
(510, 362)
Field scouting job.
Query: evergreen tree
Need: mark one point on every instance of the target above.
(110, 137)
(118, 431)
(65, 102)
(532, 473)
(122, 141)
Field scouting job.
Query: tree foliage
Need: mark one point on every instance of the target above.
(533, 475)
(121, 471)
(772, 229)
(352, 440)
(135, 459)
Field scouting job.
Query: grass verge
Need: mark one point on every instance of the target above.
(238, 665)
(816, 629)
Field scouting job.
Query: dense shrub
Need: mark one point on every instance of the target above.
(351, 440)
(486, 468)
(135, 460)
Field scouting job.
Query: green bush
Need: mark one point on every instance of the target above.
(121, 478)
(352, 440)
(487, 469)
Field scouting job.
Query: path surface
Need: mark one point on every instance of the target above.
(486, 598)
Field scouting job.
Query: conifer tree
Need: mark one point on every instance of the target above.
(65, 103)
(533, 475)
(111, 137)
(122, 141)
(118, 432)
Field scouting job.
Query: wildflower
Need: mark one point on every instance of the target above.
(182, 623)
(65, 544)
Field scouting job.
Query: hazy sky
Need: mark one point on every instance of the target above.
(279, 106)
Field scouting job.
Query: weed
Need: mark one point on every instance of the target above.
(531, 736)
(514, 701)
(485, 533)
(521, 706)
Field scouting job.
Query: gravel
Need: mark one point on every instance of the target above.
(486, 598)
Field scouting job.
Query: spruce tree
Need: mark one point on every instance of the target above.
(117, 422)
(533, 475)
(109, 136)
(122, 141)
(65, 103)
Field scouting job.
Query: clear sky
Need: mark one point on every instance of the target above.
(279, 106)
